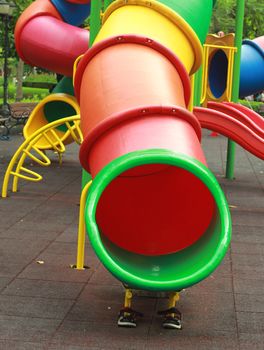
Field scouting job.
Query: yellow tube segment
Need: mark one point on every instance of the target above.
(37, 120)
(156, 21)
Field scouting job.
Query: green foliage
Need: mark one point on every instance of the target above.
(225, 13)
(42, 78)
(29, 94)
(256, 106)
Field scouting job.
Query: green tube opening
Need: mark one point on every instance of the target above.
(170, 271)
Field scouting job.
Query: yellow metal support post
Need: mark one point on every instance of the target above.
(81, 229)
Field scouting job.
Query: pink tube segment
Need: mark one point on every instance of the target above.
(52, 44)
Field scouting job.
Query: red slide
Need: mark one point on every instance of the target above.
(243, 114)
(241, 131)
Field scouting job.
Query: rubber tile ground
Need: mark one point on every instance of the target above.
(45, 304)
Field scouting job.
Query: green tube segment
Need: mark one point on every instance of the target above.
(196, 13)
(164, 272)
(58, 109)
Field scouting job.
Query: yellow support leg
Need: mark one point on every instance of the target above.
(128, 298)
(174, 297)
(81, 229)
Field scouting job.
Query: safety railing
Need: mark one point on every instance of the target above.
(29, 149)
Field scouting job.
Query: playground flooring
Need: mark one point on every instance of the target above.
(44, 304)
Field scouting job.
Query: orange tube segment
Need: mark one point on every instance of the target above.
(136, 72)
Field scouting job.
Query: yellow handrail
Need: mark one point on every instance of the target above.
(45, 162)
(76, 62)
(24, 150)
(36, 177)
(61, 147)
(77, 136)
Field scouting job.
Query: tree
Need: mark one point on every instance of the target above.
(224, 17)
(253, 23)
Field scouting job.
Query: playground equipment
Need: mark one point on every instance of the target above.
(136, 93)
(220, 62)
(48, 136)
(38, 118)
(40, 41)
(155, 214)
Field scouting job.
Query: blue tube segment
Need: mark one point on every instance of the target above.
(74, 14)
(251, 69)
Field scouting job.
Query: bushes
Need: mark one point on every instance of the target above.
(29, 94)
(42, 78)
(256, 106)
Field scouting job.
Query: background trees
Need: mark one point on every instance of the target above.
(224, 17)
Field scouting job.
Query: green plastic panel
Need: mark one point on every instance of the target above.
(57, 109)
(196, 13)
(166, 272)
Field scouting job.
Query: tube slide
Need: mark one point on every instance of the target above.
(155, 214)
(234, 125)
(43, 39)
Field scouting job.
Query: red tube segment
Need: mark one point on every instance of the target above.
(171, 128)
(133, 94)
(44, 40)
(54, 45)
(153, 209)
(127, 72)
(36, 9)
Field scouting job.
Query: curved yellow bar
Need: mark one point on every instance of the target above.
(156, 21)
(37, 120)
(30, 143)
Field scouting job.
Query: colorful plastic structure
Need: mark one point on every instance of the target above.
(134, 93)
(251, 68)
(155, 214)
(47, 35)
(34, 146)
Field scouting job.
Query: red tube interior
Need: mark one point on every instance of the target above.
(155, 214)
